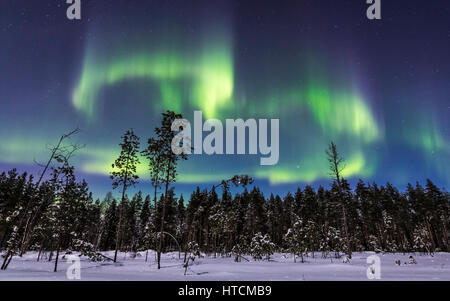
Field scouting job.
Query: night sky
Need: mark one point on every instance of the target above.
(379, 88)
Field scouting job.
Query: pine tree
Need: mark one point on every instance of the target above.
(110, 222)
(422, 242)
(124, 174)
(64, 212)
(161, 149)
(180, 228)
(261, 247)
(240, 248)
(144, 218)
(296, 239)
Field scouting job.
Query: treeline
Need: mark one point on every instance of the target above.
(380, 218)
(57, 212)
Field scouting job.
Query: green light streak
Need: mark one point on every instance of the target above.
(428, 138)
(315, 168)
(342, 113)
(210, 71)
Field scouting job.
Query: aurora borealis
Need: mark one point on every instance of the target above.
(379, 89)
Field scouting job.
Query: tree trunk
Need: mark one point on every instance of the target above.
(56, 260)
(161, 232)
(155, 197)
(347, 238)
(119, 227)
(344, 213)
(5, 261)
(162, 217)
(430, 234)
(39, 255)
(9, 260)
(445, 236)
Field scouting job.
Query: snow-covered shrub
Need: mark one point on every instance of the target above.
(87, 249)
(374, 243)
(296, 239)
(261, 247)
(332, 241)
(193, 248)
(422, 242)
(389, 230)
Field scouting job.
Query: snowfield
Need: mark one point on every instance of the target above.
(281, 267)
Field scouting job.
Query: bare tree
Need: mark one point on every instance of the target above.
(29, 215)
(337, 165)
(61, 153)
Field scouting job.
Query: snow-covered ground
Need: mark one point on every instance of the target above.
(281, 267)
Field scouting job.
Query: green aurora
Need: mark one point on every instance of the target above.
(127, 74)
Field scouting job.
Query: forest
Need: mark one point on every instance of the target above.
(57, 214)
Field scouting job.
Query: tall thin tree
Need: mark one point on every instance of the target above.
(153, 154)
(167, 162)
(124, 174)
(336, 166)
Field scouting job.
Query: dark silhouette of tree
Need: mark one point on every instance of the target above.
(29, 214)
(155, 164)
(336, 166)
(166, 161)
(124, 174)
(380, 218)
